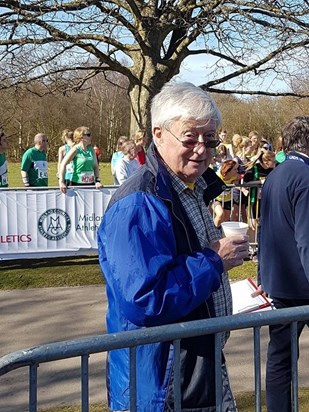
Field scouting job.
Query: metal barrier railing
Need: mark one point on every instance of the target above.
(84, 347)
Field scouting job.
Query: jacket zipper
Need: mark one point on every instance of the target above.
(180, 221)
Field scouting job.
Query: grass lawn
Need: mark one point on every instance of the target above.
(245, 402)
(72, 271)
(15, 178)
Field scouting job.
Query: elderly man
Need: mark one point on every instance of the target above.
(163, 259)
(34, 163)
(284, 253)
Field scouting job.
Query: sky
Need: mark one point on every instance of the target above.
(194, 70)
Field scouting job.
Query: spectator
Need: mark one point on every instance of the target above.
(242, 151)
(223, 206)
(284, 254)
(126, 165)
(67, 138)
(236, 140)
(256, 172)
(280, 155)
(223, 140)
(220, 156)
(84, 161)
(3, 162)
(255, 143)
(117, 155)
(34, 163)
(97, 152)
(223, 153)
(163, 259)
(140, 140)
(264, 144)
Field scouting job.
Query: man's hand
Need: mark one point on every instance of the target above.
(258, 292)
(232, 250)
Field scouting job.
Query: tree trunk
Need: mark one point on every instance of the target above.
(141, 93)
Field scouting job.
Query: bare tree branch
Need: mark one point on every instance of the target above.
(147, 42)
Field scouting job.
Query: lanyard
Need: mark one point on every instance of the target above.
(254, 189)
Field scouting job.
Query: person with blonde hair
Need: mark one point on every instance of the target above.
(118, 154)
(255, 142)
(67, 138)
(236, 139)
(257, 171)
(126, 165)
(140, 140)
(223, 206)
(84, 161)
(242, 152)
(280, 155)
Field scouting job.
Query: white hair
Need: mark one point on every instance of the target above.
(39, 137)
(182, 101)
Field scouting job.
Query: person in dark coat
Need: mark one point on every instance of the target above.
(284, 253)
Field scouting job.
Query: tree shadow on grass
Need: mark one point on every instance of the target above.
(49, 262)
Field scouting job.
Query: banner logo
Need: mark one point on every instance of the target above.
(54, 224)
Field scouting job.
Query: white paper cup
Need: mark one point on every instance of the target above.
(234, 228)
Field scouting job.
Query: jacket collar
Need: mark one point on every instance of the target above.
(157, 167)
(298, 156)
(163, 183)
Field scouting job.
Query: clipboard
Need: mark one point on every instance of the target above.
(243, 302)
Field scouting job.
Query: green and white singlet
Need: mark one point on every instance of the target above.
(83, 166)
(3, 171)
(34, 162)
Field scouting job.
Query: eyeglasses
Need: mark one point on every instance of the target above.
(191, 143)
(43, 141)
(86, 134)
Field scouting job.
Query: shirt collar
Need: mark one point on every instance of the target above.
(180, 186)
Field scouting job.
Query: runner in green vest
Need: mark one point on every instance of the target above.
(3, 161)
(84, 161)
(34, 163)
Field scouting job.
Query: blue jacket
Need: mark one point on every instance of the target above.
(284, 230)
(156, 273)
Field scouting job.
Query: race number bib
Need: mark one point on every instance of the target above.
(4, 179)
(41, 167)
(87, 177)
(69, 168)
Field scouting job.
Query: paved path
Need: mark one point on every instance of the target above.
(36, 316)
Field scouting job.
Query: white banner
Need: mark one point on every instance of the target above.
(47, 223)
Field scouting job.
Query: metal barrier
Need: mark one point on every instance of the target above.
(84, 347)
